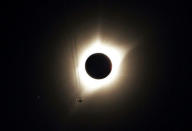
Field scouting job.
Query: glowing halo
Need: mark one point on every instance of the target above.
(116, 55)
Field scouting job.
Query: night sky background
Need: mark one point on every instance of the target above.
(34, 97)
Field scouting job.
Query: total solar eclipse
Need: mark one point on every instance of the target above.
(98, 66)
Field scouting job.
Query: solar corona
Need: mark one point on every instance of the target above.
(98, 65)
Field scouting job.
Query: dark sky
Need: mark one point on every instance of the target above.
(35, 97)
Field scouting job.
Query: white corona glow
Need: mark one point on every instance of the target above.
(90, 84)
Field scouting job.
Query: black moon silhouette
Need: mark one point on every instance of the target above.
(98, 66)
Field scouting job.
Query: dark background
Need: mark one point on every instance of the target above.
(31, 34)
